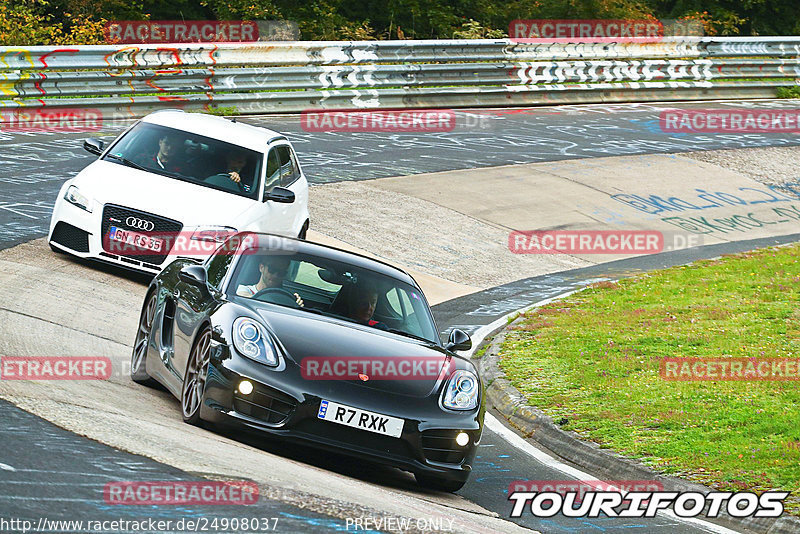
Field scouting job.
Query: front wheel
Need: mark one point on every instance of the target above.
(142, 341)
(194, 379)
(439, 484)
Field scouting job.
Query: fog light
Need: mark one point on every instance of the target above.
(245, 387)
(462, 439)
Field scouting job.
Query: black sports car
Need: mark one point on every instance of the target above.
(314, 344)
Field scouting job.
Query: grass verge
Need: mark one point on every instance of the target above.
(594, 359)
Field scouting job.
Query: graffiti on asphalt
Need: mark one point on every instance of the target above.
(655, 204)
(737, 223)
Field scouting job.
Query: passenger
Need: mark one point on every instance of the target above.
(273, 271)
(361, 305)
(235, 162)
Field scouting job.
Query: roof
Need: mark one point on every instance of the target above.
(238, 133)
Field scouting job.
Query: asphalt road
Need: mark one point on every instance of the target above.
(34, 165)
(49, 476)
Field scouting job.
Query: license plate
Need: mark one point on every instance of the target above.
(361, 419)
(136, 239)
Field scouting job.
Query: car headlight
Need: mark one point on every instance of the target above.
(217, 234)
(461, 391)
(251, 340)
(74, 197)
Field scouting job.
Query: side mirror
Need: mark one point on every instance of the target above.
(194, 275)
(280, 194)
(458, 340)
(94, 146)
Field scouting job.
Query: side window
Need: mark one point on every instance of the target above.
(217, 267)
(273, 171)
(289, 170)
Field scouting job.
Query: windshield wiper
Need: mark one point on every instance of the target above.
(408, 334)
(126, 161)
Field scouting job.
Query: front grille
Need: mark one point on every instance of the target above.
(116, 216)
(265, 404)
(440, 446)
(71, 237)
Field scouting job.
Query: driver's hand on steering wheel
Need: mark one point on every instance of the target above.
(298, 300)
(235, 176)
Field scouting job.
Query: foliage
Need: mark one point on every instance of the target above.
(788, 92)
(31, 22)
(474, 30)
(223, 111)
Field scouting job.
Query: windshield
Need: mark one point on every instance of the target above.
(189, 157)
(322, 286)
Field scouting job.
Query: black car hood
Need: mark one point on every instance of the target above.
(306, 335)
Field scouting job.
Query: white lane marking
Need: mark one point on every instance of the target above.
(6, 467)
(542, 457)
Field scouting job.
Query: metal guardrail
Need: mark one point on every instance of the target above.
(125, 81)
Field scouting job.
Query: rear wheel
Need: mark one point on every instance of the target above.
(194, 380)
(142, 341)
(439, 484)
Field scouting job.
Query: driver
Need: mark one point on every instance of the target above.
(273, 271)
(235, 161)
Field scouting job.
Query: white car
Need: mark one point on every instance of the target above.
(190, 175)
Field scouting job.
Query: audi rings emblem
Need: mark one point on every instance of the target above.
(140, 224)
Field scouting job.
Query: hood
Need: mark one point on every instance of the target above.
(193, 205)
(306, 335)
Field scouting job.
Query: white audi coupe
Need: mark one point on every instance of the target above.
(173, 180)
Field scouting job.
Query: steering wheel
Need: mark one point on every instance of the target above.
(277, 295)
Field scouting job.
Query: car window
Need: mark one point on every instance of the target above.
(273, 171)
(333, 288)
(218, 266)
(289, 170)
(188, 157)
(403, 304)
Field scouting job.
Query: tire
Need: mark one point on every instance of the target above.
(142, 341)
(194, 379)
(439, 484)
(303, 232)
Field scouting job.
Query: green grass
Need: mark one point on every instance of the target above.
(788, 92)
(594, 358)
(221, 111)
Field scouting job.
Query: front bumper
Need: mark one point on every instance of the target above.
(82, 234)
(426, 445)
